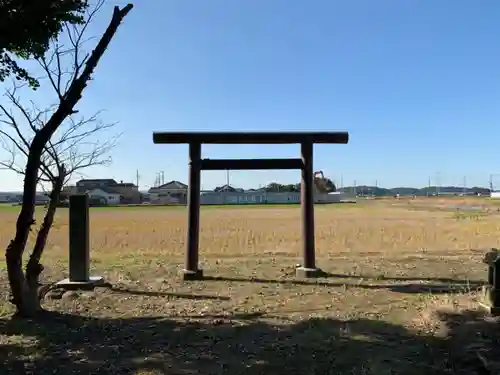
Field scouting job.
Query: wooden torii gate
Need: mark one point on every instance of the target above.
(196, 165)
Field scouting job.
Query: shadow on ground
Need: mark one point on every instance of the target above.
(237, 344)
(394, 284)
(152, 293)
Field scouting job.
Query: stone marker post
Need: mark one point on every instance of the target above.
(79, 247)
(79, 253)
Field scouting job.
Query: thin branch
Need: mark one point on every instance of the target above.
(13, 124)
(20, 141)
(75, 36)
(75, 148)
(42, 61)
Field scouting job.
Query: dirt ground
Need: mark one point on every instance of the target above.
(400, 296)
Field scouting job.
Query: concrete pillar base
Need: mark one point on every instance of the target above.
(91, 283)
(188, 275)
(309, 273)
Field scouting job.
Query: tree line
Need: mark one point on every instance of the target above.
(426, 191)
(326, 184)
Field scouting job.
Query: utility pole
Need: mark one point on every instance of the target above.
(137, 177)
(438, 183)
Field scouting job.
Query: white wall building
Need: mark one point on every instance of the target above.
(104, 196)
(40, 198)
(262, 197)
(10, 197)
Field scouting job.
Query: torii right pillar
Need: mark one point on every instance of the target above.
(308, 267)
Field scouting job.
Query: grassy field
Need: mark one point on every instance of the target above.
(400, 297)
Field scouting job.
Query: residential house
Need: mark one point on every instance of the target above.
(103, 196)
(69, 189)
(171, 192)
(108, 190)
(86, 185)
(129, 192)
(228, 189)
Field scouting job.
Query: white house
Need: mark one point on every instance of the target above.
(171, 192)
(104, 196)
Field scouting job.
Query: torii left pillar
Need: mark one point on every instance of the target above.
(191, 270)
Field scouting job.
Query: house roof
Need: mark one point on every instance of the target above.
(170, 185)
(108, 181)
(126, 184)
(228, 188)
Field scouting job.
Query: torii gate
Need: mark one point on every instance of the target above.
(305, 164)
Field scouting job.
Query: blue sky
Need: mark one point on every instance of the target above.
(416, 84)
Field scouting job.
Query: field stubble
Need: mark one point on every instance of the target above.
(399, 281)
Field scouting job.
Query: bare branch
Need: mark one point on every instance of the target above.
(75, 36)
(54, 76)
(66, 59)
(76, 144)
(13, 125)
(12, 167)
(19, 138)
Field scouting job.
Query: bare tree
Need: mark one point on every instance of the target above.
(73, 149)
(52, 153)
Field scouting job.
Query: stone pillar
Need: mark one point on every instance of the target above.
(191, 270)
(79, 247)
(308, 266)
(79, 253)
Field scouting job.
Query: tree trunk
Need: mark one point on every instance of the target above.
(23, 297)
(14, 253)
(34, 268)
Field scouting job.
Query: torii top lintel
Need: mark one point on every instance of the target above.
(277, 137)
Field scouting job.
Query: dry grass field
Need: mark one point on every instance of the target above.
(400, 297)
